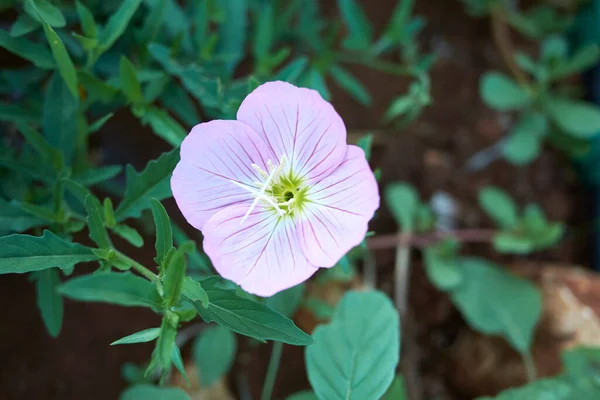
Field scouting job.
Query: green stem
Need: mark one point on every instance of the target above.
(272, 371)
(145, 272)
(530, 368)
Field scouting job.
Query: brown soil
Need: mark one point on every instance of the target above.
(430, 154)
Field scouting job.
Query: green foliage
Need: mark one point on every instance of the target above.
(164, 234)
(287, 301)
(574, 117)
(49, 302)
(502, 93)
(13, 219)
(397, 390)
(149, 392)
(63, 60)
(499, 206)
(213, 353)
(95, 221)
(403, 201)
(442, 265)
(304, 395)
(147, 335)
(165, 344)
(356, 354)
(129, 82)
(25, 253)
(524, 141)
(360, 30)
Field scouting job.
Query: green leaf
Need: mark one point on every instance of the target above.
(94, 176)
(359, 28)
(129, 234)
(41, 145)
(25, 253)
(164, 125)
(163, 352)
(292, 71)
(152, 182)
(49, 302)
(366, 143)
(164, 234)
(350, 84)
(511, 243)
(117, 24)
(316, 81)
(304, 395)
(99, 123)
(123, 289)
(263, 38)
(147, 335)
(95, 222)
(583, 59)
(232, 31)
(287, 301)
(403, 200)
(501, 93)
(129, 81)
(355, 356)
(14, 219)
(63, 60)
(44, 10)
(43, 212)
(442, 265)
(397, 390)
(178, 362)
(213, 353)
(194, 292)
(400, 105)
(523, 144)
(154, 20)
(576, 118)
(150, 392)
(248, 317)
(60, 116)
(37, 53)
(23, 25)
(88, 24)
(88, 44)
(495, 302)
(174, 276)
(499, 206)
(177, 101)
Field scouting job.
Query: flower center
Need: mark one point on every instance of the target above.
(280, 191)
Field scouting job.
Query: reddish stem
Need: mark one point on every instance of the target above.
(400, 240)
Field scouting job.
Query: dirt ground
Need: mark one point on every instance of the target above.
(430, 154)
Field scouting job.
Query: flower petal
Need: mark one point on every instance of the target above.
(338, 211)
(212, 155)
(296, 122)
(262, 255)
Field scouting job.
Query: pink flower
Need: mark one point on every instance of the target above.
(277, 193)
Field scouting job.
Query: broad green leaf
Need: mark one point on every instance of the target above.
(129, 234)
(248, 317)
(94, 176)
(366, 143)
(232, 31)
(49, 302)
(41, 145)
(576, 118)
(499, 206)
(151, 182)
(501, 93)
(129, 81)
(402, 200)
(523, 144)
(123, 289)
(495, 302)
(356, 354)
(287, 301)
(163, 351)
(397, 390)
(63, 60)
(147, 335)
(95, 222)
(26, 253)
(292, 71)
(174, 276)
(86, 18)
(194, 292)
(213, 353)
(150, 392)
(511, 243)
(164, 234)
(163, 125)
(443, 266)
(554, 48)
(60, 116)
(14, 219)
(37, 53)
(304, 395)
(350, 84)
(23, 25)
(117, 24)
(359, 28)
(44, 10)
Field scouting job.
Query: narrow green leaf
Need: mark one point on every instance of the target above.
(403, 200)
(129, 234)
(213, 353)
(232, 31)
(44, 10)
(117, 24)
(151, 182)
(499, 206)
(161, 356)
(94, 176)
(177, 361)
(248, 317)
(263, 38)
(129, 81)
(13, 219)
(355, 356)
(359, 28)
(316, 81)
(95, 222)
(583, 59)
(88, 24)
(194, 292)
(23, 25)
(292, 71)
(150, 392)
(99, 123)
(501, 93)
(164, 125)
(49, 302)
(43, 212)
(41, 145)
(495, 302)
(147, 335)
(123, 289)
(25, 253)
(63, 60)
(174, 276)
(576, 118)
(350, 84)
(154, 20)
(177, 101)
(164, 234)
(59, 119)
(37, 53)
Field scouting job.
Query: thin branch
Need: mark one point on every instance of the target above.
(381, 242)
